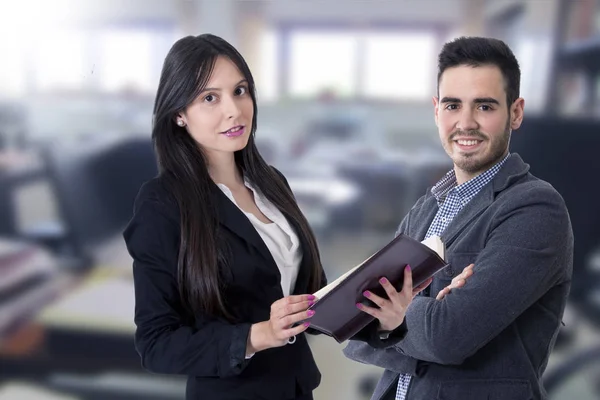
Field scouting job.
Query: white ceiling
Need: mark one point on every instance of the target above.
(334, 11)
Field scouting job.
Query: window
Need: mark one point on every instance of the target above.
(323, 61)
(267, 79)
(59, 61)
(126, 60)
(12, 79)
(399, 65)
(534, 55)
(23, 32)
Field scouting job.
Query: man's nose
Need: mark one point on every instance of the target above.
(467, 121)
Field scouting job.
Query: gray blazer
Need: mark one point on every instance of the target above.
(490, 339)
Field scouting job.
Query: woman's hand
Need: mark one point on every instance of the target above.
(278, 329)
(392, 310)
(457, 282)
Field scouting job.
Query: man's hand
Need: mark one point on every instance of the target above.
(457, 282)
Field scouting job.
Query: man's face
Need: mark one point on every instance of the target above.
(474, 121)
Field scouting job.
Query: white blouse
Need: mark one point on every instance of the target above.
(279, 237)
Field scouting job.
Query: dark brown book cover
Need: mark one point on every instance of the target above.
(336, 313)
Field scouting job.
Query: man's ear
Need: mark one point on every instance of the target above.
(435, 101)
(516, 113)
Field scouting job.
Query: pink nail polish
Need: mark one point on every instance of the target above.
(383, 280)
(310, 304)
(310, 313)
(311, 297)
(366, 293)
(408, 267)
(307, 324)
(358, 305)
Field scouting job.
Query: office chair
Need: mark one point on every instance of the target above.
(565, 153)
(95, 184)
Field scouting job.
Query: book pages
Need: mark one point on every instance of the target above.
(433, 242)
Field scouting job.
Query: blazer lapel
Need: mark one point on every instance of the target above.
(304, 270)
(234, 219)
(423, 219)
(513, 169)
(471, 211)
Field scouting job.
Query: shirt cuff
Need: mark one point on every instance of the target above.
(393, 337)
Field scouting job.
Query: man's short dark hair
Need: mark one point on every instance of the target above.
(480, 51)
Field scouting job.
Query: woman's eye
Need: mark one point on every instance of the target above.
(240, 91)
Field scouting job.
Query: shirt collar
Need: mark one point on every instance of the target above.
(468, 189)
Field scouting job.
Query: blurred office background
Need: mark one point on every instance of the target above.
(344, 91)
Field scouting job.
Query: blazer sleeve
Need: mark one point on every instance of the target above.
(526, 254)
(166, 339)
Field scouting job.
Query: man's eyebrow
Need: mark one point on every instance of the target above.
(450, 100)
(486, 100)
(476, 101)
(218, 90)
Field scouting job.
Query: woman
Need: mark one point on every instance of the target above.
(223, 257)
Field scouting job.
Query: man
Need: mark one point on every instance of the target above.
(491, 338)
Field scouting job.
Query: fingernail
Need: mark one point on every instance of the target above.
(358, 305)
(367, 293)
(383, 280)
(310, 304)
(408, 267)
(307, 324)
(311, 313)
(311, 297)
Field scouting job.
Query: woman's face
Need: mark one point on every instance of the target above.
(220, 118)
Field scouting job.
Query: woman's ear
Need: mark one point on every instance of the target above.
(180, 120)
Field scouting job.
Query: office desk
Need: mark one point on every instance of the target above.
(83, 344)
(89, 327)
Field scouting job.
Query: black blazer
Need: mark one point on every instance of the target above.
(211, 351)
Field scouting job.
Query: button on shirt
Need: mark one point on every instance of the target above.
(451, 198)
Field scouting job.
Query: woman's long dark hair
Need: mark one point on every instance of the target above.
(183, 166)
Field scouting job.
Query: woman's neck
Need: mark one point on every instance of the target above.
(223, 169)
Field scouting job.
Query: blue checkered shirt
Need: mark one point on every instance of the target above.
(451, 198)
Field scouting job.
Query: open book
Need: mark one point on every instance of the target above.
(336, 313)
(433, 242)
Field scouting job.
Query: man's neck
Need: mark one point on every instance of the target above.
(465, 176)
